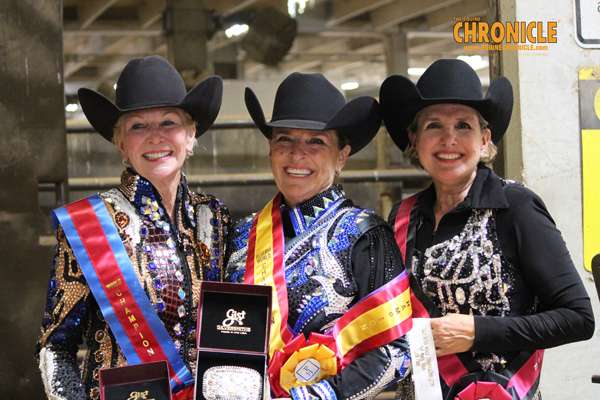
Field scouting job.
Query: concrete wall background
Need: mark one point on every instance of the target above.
(544, 152)
(32, 151)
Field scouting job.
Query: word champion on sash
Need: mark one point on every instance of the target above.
(130, 315)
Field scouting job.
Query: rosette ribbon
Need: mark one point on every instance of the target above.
(480, 385)
(283, 374)
(484, 390)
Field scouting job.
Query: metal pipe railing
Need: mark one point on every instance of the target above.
(254, 179)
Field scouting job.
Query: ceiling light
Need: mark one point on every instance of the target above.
(476, 62)
(72, 107)
(236, 30)
(349, 85)
(292, 7)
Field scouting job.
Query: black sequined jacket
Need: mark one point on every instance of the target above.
(499, 256)
(335, 254)
(170, 258)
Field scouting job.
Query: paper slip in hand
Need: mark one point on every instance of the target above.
(426, 376)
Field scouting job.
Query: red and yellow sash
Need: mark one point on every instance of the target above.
(264, 266)
(381, 317)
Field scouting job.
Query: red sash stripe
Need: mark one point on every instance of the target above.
(278, 272)
(380, 296)
(108, 271)
(526, 376)
(401, 224)
(102, 257)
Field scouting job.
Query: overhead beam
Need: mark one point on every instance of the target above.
(344, 10)
(442, 47)
(400, 11)
(150, 11)
(444, 18)
(89, 11)
(228, 7)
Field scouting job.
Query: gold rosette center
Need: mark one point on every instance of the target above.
(307, 366)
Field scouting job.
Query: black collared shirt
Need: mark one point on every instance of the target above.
(530, 242)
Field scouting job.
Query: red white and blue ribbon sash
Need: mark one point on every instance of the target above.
(107, 268)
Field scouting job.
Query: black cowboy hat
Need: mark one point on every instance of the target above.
(151, 82)
(445, 81)
(310, 101)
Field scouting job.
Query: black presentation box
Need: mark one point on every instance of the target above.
(234, 322)
(122, 383)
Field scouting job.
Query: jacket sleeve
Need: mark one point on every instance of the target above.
(533, 244)
(375, 261)
(62, 325)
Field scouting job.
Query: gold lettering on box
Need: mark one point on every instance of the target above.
(139, 396)
(233, 322)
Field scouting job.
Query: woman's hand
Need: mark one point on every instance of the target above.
(453, 333)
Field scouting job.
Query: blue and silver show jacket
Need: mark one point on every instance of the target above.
(335, 254)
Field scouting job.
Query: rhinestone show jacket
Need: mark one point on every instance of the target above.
(170, 258)
(335, 255)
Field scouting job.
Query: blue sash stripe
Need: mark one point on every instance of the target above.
(61, 215)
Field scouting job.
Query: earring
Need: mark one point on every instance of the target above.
(337, 172)
(190, 153)
(126, 163)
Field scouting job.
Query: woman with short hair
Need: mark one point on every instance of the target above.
(151, 232)
(323, 255)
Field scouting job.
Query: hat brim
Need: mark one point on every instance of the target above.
(202, 102)
(359, 120)
(401, 101)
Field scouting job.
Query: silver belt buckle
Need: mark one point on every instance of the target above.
(226, 382)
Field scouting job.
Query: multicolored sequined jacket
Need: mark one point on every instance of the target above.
(170, 258)
(335, 254)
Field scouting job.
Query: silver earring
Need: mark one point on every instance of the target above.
(126, 163)
(337, 172)
(190, 153)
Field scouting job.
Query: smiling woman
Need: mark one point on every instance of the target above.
(488, 265)
(155, 143)
(328, 254)
(304, 163)
(164, 239)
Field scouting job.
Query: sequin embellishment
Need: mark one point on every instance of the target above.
(465, 274)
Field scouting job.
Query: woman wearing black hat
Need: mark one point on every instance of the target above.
(129, 262)
(320, 252)
(488, 265)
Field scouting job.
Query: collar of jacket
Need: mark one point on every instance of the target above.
(141, 193)
(304, 215)
(485, 192)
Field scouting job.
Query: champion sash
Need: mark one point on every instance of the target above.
(264, 266)
(377, 319)
(523, 372)
(107, 268)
